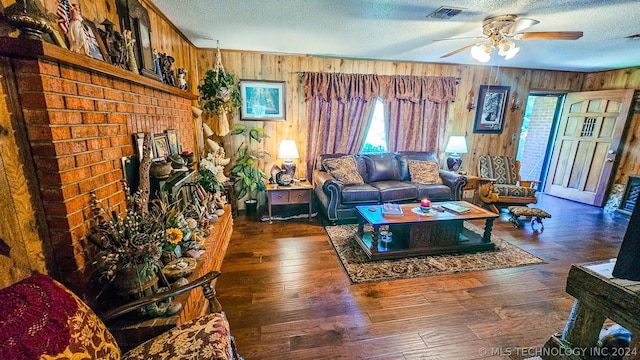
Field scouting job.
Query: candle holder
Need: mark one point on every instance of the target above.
(425, 205)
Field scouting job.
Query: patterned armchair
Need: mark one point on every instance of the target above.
(41, 319)
(501, 185)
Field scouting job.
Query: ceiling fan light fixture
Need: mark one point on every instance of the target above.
(511, 53)
(508, 49)
(481, 52)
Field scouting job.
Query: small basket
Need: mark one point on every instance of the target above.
(174, 270)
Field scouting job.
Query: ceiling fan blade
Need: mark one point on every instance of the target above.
(551, 35)
(457, 51)
(461, 38)
(519, 25)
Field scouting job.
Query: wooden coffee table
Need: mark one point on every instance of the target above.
(421, 234)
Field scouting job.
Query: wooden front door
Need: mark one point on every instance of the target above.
(587, 144)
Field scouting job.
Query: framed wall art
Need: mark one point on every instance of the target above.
(173, 142)
(135, 17)
(491, 109)
(262, 100)
(160, 146)
(97, 50)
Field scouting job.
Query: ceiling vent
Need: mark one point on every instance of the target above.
(445, 13)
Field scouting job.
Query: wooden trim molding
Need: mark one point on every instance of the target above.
(33, 49)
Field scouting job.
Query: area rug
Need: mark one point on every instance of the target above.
(359, 269)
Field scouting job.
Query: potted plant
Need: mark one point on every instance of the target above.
(249, 178)
(220, 94)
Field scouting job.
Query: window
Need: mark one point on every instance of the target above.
(376, 140)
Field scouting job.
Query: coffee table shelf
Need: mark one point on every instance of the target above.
(415, 234)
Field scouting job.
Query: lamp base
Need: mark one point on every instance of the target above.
(454, 161)
(289, 167)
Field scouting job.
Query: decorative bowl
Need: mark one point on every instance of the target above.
(180, 267)
(160, 169)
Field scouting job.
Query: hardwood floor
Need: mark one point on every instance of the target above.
(287, 297)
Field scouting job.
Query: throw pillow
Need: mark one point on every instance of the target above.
(424, 172)
(344, 170)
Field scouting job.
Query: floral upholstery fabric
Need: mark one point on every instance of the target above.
(206, 337)
(41, 319)
(90, 338)
(514, 190)
(424, 172)
(498, 167)
(344, 170)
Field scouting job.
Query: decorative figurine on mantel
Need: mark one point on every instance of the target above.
(156, 62)
(182, 81)
(131, 56)
(115, 44)
(76, 35)
(166, 61)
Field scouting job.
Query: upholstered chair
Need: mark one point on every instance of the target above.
(41, 319)
(501, 184)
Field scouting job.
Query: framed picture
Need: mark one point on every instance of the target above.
(262, 100)
(173, 142)
(491, 109)
(160, 147)
(94, 41)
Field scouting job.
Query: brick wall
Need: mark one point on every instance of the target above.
(80, 124)
(535, 146)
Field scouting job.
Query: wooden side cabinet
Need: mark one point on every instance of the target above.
(296, 193)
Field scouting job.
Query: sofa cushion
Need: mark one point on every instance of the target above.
(343, 169)
(381, 167)
(424, 172)
(356, 194)
(395, 190)
(405, 156)
(433, 192)
(206, 337)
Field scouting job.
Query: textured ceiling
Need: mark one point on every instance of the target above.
(400, 30)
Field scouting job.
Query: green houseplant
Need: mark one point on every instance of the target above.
(249, 178)
(220, 95)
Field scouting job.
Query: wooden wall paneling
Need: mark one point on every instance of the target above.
(20, 217)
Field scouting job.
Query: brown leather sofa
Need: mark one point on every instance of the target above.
(386, 179)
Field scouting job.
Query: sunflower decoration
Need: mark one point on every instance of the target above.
(174, 236)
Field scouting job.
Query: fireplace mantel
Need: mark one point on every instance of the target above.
(33, 49)
(78, 116)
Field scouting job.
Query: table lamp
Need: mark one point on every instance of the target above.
(288, 151)
(457, 145)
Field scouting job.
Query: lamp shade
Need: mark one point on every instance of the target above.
(456, 144)
(288, 150)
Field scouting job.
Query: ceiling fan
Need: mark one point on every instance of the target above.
(500, 31)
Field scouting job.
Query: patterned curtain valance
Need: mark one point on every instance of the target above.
(345, 87)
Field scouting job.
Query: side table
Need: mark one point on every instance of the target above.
(296, 193)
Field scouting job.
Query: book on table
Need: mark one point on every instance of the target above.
(390, 209)
(459, 209)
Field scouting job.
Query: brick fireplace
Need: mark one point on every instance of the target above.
(80, 115)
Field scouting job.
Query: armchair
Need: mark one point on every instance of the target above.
(501, 184)
(41, 319)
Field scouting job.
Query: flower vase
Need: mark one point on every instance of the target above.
(170, 255)
(135, 282)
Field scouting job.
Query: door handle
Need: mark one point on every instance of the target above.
(609, 160)
(611, 151)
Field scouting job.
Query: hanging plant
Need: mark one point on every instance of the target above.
(220, 92)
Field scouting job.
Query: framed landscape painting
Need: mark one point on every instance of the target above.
(490, 112)
(262, 100)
